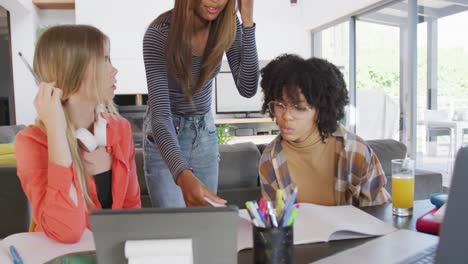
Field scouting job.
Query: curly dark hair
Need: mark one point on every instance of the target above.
(320, 82)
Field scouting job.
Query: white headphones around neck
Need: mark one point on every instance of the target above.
(99, 139)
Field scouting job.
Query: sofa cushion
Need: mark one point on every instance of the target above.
(426, 182)
(238, 166)
(8, 133)
(144, 195)
(386, 150)
(13, 203)
(239, 196)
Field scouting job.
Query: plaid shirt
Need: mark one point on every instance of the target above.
(359, 181)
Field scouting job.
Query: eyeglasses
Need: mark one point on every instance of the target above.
(296, 111)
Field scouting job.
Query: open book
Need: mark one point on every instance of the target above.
(35, 247)
(316, 223)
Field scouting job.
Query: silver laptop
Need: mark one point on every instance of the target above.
(213, 231)
(406, 246)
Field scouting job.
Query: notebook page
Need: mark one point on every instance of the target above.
(5, 256)
(35, 247)
(315, 223)
(342, 218)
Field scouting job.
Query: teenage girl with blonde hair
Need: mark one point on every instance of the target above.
(183, 49)
(65, 178)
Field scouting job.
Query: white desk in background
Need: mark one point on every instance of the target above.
(458, 127)
(258, 139)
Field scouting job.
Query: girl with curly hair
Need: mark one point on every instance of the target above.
(328, 164)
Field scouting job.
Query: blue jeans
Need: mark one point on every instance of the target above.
(199, 145)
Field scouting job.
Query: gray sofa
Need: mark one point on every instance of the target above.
(238, 180)
(238, 171)
(13, 203)
(426, 182)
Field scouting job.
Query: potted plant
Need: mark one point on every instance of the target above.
(223, 133)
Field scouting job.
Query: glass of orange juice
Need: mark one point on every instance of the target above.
(402, 186)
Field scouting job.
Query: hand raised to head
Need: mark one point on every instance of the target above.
(246, 11)
(49, 107)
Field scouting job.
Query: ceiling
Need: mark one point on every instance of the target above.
(396, 13)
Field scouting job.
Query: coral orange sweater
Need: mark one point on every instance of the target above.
(47, 185)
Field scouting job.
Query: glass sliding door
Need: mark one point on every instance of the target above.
(332, 44)
(378, 74)
(335, 47)
(443, 115)
(406, 65)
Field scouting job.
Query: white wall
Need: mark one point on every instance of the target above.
(126, 39)
(285, 28)
(125, 26)
(281, 28)
(49, 17)
(25, 18)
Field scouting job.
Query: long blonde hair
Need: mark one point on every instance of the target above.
(64, 55)
(179, 44)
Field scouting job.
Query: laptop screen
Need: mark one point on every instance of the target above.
(213, 231)
(453, 242)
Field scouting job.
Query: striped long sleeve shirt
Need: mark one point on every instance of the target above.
(165, 96)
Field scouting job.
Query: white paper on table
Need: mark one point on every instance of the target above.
(316, 223)
(213, 203)
(5, 256)
(158, 247)
(35, 247)
(161, 259)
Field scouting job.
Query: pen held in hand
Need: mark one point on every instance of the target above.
(36, 79)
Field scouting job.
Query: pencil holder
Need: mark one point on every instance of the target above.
(273, 245)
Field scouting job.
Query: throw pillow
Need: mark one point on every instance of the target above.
(7, 155)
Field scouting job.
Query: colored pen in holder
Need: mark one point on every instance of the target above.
(273, 240)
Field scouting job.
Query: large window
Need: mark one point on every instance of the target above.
(335, 48)
(377, 80)
(332, 44)
(442, 90)
(406, 63)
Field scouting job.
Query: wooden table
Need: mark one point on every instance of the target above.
(311, 252)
